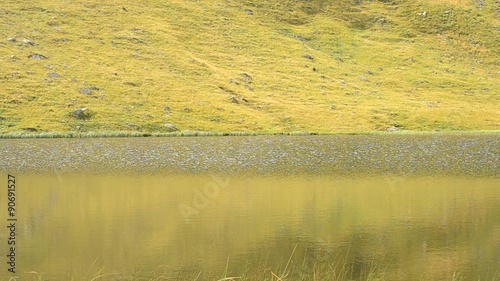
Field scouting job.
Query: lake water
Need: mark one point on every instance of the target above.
(259, 208)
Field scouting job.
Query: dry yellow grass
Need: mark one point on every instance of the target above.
(242, 66)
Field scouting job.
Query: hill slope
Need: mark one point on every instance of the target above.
(250, 65)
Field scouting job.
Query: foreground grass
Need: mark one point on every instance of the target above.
(250, 65)
(324, 266)
(319, 272)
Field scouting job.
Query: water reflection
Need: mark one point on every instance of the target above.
(301, 226)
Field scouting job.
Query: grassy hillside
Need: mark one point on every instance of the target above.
(249, 65)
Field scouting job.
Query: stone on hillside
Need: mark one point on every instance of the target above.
(309, 57)
(54, 75)
(392, 129)
(364, 78)
(171, 127)
(86, 91)
(234, 100)
(37, 57)
(10, 39)
(80, 113)
(247, 77)
(249, 12)
(28, 42)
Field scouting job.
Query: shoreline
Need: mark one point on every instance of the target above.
(397, 154)
(122, 134)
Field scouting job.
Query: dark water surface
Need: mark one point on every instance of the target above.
(300, 208)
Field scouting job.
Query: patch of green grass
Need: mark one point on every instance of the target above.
(287, 66)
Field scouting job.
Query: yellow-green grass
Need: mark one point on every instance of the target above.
(326, 271)
(414, 65)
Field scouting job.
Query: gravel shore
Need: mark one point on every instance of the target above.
(368, 154)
